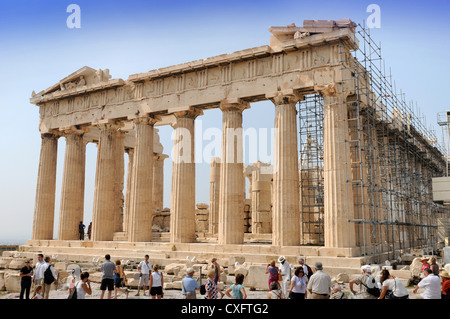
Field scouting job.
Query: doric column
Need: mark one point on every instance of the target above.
(338, 195)
(72, 191)
(261, 199)
(44, 210)
(126, 212)
(141, 205)
(232, 182)
(286, 220)
(119, 149)
(182, 208)
(214, 193)
(105, 195)
(158, 181)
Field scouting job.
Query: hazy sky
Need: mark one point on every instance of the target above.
(37, 49)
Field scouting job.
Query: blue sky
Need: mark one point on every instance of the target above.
(37, 49)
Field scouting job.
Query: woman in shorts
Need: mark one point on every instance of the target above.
(156, 283)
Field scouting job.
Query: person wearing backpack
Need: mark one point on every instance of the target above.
(368, 286)
(49, 277)
(306, 269)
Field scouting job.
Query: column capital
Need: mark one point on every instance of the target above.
(73, 130)
(160, 157)
(108, 124)
(284, 97)
(233, 104)
(191, 113)
(147, 119)
(55, 134)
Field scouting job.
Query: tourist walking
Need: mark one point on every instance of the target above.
(81, 227)
(216, 267)
(431, 285)
(49, 277)
(156, 283)
(392, 287)
(367, 285)
(144, 268)
(83, 286)
(212, 292)
(189, 285)
(37, 294)
(237, 290)
(285, 270)
(89, 230)
(299, 281)
(319, 285)
(26, 273)
(338, 293)
(119, 280)
(273, 272)
(445, 289)
(108, 268)
(38, 276)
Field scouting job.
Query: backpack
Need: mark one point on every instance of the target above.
(48, 276)
(374, 291)
(310, 272)
(73, 293)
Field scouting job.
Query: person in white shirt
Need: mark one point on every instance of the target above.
(319, 285)
(301, 262)
(432, 285)
(156, 283)
(144, 268)
(83, 286)
(39, 271)
(392, 284)
(47, 286)
(285, 270)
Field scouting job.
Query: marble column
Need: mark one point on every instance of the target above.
(214, 193)
(119, 150)
(44, 209)
(158, 181)
(232, 182)
(182, 208)
(105, 193)
(338, 193)
(141, 202)
(72, 191)
(126, 213)
(286, 219)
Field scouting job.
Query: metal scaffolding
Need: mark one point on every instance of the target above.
(393, 158)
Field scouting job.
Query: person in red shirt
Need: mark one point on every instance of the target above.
(445, 290)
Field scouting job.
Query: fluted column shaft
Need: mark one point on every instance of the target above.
(126, 213)
(141, 205)
(44, 210)
(214, 194)
(72, 191)
(338, 194)
(286, 219)
(119, 150)
(232, 182)
(182, 208)
(158, 181)
(105, 194)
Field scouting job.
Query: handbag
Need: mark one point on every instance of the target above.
(73, 293)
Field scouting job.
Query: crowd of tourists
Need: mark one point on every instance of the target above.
(305, 283)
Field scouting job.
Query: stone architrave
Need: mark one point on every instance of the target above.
(141, 202)
(232, 182)
(44, 212)
(338, 194)
(105, 194)
(72, 190)
(182, 208)
(286, 219)
(214, 194)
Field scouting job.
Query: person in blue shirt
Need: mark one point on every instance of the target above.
(189, 284)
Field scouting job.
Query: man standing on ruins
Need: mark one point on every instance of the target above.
(319, 285)
(285, 270)
(108, 268)
(144, 269)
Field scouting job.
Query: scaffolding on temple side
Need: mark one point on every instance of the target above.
(393, 157)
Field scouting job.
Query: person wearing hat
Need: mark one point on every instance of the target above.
(319, 285)
(425, 264)
(285, 270)
(366, 281)
(445, 290)
(189, 285)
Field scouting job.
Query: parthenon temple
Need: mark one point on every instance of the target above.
(351, 172)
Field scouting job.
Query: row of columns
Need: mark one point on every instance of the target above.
(108, 198)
